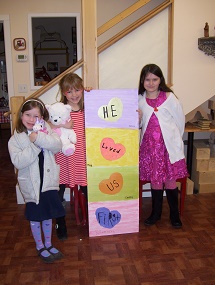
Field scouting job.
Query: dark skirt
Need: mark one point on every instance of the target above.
(49, 207)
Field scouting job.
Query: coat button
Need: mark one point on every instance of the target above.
(48, 170)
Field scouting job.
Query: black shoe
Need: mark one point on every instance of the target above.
(151, 220)
(176, 222)
(61, 232)
(57, 255)
(172, 198)
(157, 202)
(48, 259)
(61, 229)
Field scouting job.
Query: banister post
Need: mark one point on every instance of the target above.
(15, 103)
(90, 55)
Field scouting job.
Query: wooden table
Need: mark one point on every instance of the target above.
(191, 129)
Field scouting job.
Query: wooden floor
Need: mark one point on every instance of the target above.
(157, 255)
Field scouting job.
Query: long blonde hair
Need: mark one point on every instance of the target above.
(69, 81)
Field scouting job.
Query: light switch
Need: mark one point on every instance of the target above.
(22, 88)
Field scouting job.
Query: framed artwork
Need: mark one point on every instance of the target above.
(52, 66)
(19, 44)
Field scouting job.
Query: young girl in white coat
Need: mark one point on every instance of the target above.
(161, 154)
(32, 153)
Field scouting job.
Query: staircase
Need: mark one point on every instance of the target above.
(116, 71)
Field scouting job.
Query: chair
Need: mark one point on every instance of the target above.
(182, 192)
(74, 199)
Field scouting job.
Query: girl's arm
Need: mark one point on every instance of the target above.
(33, 137)
(22, 157)
(178, 115)
(140, 114)
(50, 141)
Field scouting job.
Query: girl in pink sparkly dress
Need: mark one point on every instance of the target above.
(161, 154)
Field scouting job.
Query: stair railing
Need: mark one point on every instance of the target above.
(16, 101)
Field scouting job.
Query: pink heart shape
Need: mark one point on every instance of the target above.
(111, 150)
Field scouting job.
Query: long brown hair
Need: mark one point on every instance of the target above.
(29, 105)
(154, 69)
(70, 81)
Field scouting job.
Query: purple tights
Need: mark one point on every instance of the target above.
(47, 232)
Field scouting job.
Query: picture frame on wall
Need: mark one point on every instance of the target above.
(52, 66)
(19, 44)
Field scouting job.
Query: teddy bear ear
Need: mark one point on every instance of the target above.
(47, 106)
(68, 107)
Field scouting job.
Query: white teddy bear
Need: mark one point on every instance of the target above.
(59, 113)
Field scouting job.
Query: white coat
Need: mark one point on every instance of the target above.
(172, 122)
(24, 156)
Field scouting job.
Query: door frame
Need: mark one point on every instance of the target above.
(8, 54)
(47, 15)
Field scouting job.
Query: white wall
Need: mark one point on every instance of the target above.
(120, 65)
(193, 71)
(106, 12)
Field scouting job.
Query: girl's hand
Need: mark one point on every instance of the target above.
(33, 137)
(68, 125)
(140, 114)
(88, 89)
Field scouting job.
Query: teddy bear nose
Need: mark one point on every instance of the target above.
(55, 120)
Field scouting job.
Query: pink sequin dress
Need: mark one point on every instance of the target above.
(154, 163)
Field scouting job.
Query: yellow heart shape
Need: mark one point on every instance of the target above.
(111, 112)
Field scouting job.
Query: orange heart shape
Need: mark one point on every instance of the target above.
(113, 185)
(111, 150)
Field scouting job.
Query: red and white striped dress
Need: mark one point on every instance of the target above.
(73, 168)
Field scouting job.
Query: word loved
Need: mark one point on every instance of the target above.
(110, 150)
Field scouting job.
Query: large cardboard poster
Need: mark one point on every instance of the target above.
(112, 139)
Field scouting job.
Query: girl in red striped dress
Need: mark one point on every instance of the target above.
(73, 168)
